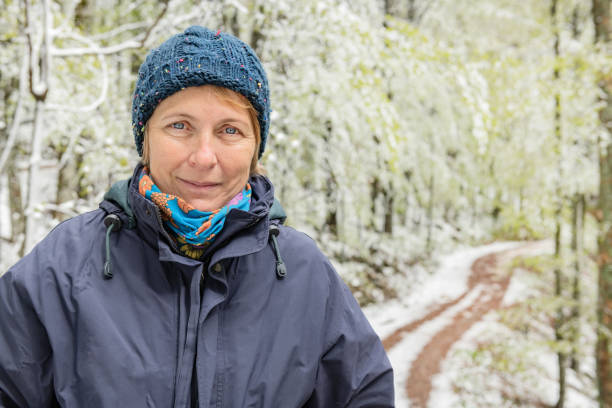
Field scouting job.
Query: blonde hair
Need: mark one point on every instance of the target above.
(237, 101)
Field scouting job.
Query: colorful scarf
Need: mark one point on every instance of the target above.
(192, 229)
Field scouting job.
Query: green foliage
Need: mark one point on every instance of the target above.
(514, 226)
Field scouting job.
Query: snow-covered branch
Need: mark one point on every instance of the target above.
(139, 42)
(120, 30)
(102, 97)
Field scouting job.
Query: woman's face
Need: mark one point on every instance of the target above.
(200, 147)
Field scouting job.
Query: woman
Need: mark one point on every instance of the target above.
(183, 288)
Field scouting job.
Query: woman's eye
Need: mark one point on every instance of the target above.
(231, 130)
(178, 125)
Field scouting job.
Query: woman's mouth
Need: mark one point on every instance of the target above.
(205, 185)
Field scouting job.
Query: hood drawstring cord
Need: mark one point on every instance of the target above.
(281, 269)
(112, 222)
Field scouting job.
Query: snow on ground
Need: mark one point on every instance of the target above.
(407, 350)
(543, 371)
(448, 282)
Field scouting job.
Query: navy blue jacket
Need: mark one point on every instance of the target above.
(170, 331)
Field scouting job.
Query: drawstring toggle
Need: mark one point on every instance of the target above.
(111, 222)
(281, 269)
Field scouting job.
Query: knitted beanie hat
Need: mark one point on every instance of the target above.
(197, 57)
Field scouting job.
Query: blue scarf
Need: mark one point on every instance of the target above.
(192, 229)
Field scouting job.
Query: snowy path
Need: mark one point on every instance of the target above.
(420, 330)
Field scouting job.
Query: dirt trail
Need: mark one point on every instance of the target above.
(492, 283)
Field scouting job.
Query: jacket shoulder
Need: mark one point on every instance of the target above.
(297, 240)
(66, 248)
(75, 234)
(298, 247)
(307, 264)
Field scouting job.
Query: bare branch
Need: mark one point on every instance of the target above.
(70, 148)
(159, 17)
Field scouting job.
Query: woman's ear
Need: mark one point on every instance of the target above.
(145, 146)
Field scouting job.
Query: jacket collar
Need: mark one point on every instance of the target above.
(247, 230)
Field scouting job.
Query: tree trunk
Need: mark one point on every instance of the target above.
(230, 21)
(68, 183)
(430, 221)
(603, 36)
(331, 193)
(604, 301)
(15, 202)
(416, 10)
(560, 318)
(388, 225)
(374, 193)
(577, 245)
(12, 136)
(34, 177)
(331, 220)
(578, 214)
(257, 35)
(388, 4)
(39, 68)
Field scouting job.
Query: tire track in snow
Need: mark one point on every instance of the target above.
(445, 325)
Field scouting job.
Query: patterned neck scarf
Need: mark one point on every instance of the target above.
(192, 229)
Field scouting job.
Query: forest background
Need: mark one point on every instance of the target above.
(400, 129)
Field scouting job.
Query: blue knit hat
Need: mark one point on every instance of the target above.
(197, 57)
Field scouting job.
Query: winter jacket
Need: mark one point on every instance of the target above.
(170, 331)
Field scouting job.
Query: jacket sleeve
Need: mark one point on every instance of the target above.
(25, 353)
(354, 370)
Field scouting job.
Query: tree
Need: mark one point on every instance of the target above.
(559, 319)
(603, 37)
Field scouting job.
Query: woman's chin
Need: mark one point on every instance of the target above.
(201, 206)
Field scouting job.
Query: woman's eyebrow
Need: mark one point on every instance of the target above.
(233, 119)
(177, 115)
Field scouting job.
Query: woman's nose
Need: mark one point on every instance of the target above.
(203, 152)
